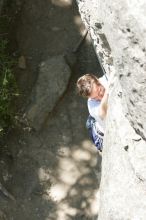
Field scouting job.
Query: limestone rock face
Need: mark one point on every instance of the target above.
(118, 32)
(52, 81)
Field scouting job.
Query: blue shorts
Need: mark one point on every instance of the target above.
(95, 135)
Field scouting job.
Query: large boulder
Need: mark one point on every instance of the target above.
(118, 32)
(54, 75)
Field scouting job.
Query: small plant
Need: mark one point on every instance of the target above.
(8, 88)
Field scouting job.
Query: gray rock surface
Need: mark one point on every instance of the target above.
(52, 82)
(118, 32)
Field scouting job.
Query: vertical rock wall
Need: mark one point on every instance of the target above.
(118, 31)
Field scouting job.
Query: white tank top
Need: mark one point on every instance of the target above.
(93, 107)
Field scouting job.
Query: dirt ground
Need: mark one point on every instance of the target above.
(53, 174)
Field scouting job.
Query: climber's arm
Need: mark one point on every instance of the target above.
(104, 105)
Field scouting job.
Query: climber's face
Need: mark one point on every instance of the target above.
(97, 91)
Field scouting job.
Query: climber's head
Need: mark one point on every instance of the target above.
(90, 87)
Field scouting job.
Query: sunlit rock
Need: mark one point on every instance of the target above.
(118, 33)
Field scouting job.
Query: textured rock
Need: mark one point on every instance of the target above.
(53, 79)
(119, 35)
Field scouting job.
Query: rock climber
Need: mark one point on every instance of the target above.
(96, 91)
